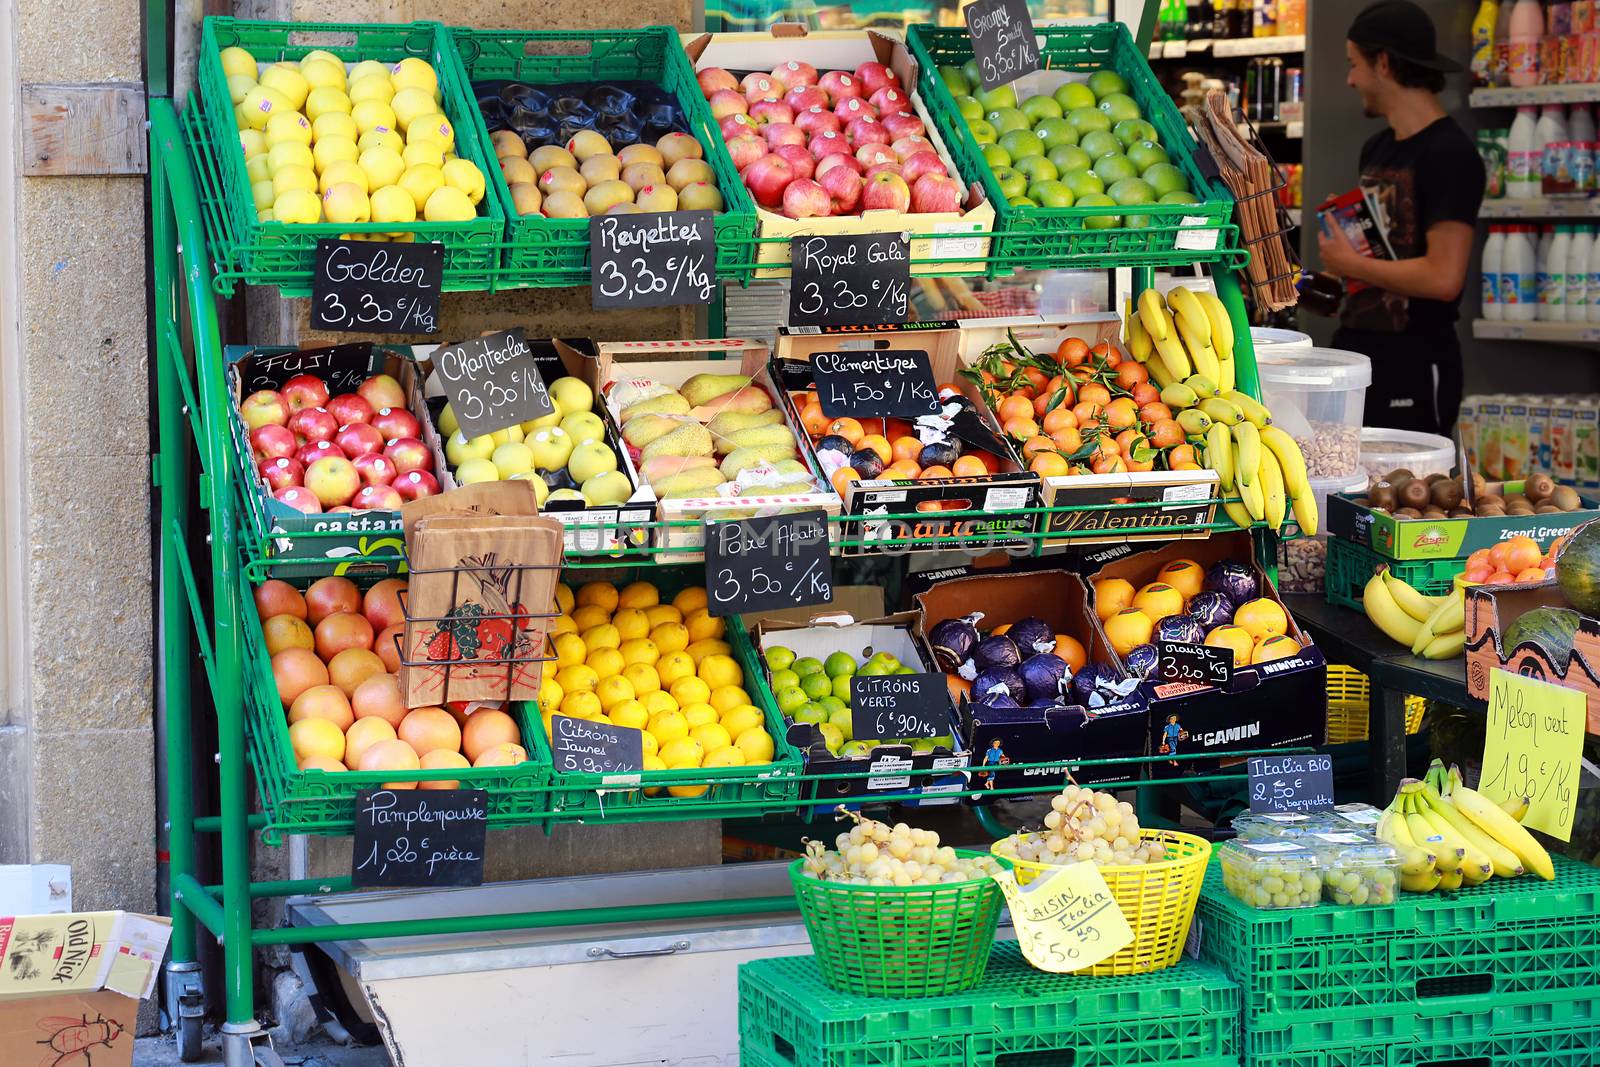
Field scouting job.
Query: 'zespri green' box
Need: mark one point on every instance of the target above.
(1402, 538)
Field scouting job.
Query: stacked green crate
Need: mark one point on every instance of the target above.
(1350, 566)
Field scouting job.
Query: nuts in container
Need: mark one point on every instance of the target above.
(1302, 565)
(1332, 451)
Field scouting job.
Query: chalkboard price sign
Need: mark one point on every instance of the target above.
(578, 746)
(1297, 784)
(372, 287)
(899, 706)
(1189, 664)
(856, 279)
(342, 367)
(412, 837)
(493, 382)
(761, 564)
(652, 259)
(1003, 41)
(875, 383)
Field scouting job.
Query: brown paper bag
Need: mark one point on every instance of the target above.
(514, 497)
(474, 582)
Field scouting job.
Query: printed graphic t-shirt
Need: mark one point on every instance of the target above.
(1435, 175)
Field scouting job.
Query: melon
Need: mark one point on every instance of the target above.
(1550, 629)
(1578, 568)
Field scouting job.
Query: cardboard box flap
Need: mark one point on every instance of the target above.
(752, 354)
(82, 952)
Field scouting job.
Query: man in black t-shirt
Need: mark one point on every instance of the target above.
(1427, 176)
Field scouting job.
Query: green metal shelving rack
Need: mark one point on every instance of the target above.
(201, 598)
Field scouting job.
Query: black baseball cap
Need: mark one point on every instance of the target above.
(1404, 30)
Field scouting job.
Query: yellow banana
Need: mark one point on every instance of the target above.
(1385, 614)
(1194, 421)
(1253, 409)
(1252, 494)
(1305, 510)
(1447, 646)
(1475, 862)
(1447, 618)
(1504, 862)
(1449, 856)
(1221, 411)
(1221, 324)
(1200, 352)
(1452, 880)
(1202, 385)
(1225, 367)
(1290, 461)
(1219, 454)
(1178, 396)
(1153, 314)
(1413, 860)
(1247, 447)
(1171, 352)
(1504, 829)
(1190, 314)
(1272, 490)
(1139, 344)
(1158, 371)
(1238, 513)
(1422, 883)
(1415, 604)
(1516, 807)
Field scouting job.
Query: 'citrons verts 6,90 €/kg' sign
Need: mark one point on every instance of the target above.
(1066, 920)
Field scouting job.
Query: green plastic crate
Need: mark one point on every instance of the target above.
(1044, 238)
(1574, 1047)
(276, 253)
(320, 802)
(1508, 941)
(550, 252)
(735, 792)
(1185, 1016)
(1350, 566)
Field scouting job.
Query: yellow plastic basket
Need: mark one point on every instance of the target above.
(1158, 900)
(1348, 694)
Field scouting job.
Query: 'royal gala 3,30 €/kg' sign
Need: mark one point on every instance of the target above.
(849, 279)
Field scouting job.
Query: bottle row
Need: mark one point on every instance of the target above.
(1205, 20)
(1547, 151)
(1543, 273)
(1524, 42)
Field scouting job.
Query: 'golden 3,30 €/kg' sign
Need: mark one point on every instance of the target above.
(1066, 920)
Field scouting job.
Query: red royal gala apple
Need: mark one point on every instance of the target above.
(903, 124)
(745, 150)
(357, 439)
(936, 192)
(272, 441)
(919, 163)
(883, 168)
(714, 78)
(886, 192)
(854, 108)
(767, 177)
(382, 391)
(377, 498)
(313, 424)
(875, 76)
(815, 120)
(865, 130)
(767, 112)
(264, 407)
(888, 99)
(299, 498)
(793, 72)
(798, 157)
(414, 484)
(805, 199)
(827, 143)
(350, 407)
(396, 422)
(312, 451)
(871, 153)
(827, 163)
(843, 186)
(376, 468)
(305, 391)
(725, 102)
(805, 97)
(906, 147)
(839, 86)
(409, 454)
(283, 473)
(735, 125)
(332, 480)
(761, 87)
(784, 133)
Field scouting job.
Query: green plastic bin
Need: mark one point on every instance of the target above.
(1350, 566)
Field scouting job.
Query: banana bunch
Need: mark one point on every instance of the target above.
(1186, 342)
(1448, 835)
(1433, 627)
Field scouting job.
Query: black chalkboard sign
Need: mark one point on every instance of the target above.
(1177, 661)
(411, 837)
(377, 287)
(875, 383)
(343, 367)
(652, 259)
(1291, 783)
(493, 382)
(579, 746)
(852, 279)
(1003, 41)
(761, 564)
(899, 706)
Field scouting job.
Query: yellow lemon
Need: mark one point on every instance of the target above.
(562, 624)
(674, 665)
(448, 205)
(668, 726)
(691, 599)
(289, 154)
(257, 167)
(376, 87)
(603, 636)
(370, 114)
(393, 204)
(643, 676)
(724, 697)
(756, 745)
(699, 650)
(683, 752)
(640, 650)
(550, 694)
(662, 613)
(236, 60)
(261, 195)
(657, 701)
(719, 670)
(412, 72)
(570, 650)
(564, 598)
(653, 763)
(421, 181)
(422, 152)
(670, 637)
(578, 676)
(322, 70)
(690, 691)
(699, 714)
(726, 756)
(702, 625)
(631, 623)
(614, 690)
(648, 743)
(300, 206)
(334, 124)
(254, 143)
(630, 713)
(639, 595)
(380, 137)
(606, 662)
(383, 166)
(293, 176)
(744, 717)
(239, 86)
(326, 101)
(337, 173)
(287, 80)
(463, 174)
(331, 150)
(432, 129)
(598, 594)
(588, 616)
(580, 705)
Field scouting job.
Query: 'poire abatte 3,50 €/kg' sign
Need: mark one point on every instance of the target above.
(652, 259)
(373, 287)
(761, 564)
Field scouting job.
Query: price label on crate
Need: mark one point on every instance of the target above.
(875, 383)
(1003, 41)
(1200, 665)
(493, 382)
(342, 367)
(417, 837)
(1533, 747)
(761, 564)
(899, 707)
(373, 287)
(1066, 920)
(852, 279)
(578, 746)
(1291, 783)
(652, 259)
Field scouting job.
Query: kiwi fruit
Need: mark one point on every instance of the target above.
(1362, 502)
(1433, 513)
(1480, 487)
(1566, 498)
(1546, 508)
(1382, 495)
(1491, 506)
(1521, 507)
(1461, 513)
(1407, 513)
(1414, 494)
(1398, 473)
(1516, 498)
(1538, 487)
(1445, 493)
(1432, 478)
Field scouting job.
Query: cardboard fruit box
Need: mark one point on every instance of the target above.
(1400, 538)
(1171, 504)
(588, 529)
(896, 769)
(673, 363)
(1277, 704)
(846, 50)
(1001, 736)
(916, 504)
(1492, 610)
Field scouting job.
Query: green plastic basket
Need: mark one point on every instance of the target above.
(1044, 238)
(1350, 566)
(553, 252)
(284, 255)
(900, 941)
(1561, 1047)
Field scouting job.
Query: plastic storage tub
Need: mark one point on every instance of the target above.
(1420, 453)
(1356, 870)
(1303, 562)
(1266, 337)
(1271, 874)
(1317, 394)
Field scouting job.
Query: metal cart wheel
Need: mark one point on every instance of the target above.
(189, 1038)
(267, 1056)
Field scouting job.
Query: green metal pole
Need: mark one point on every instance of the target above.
(1248, 381)
(1147, 26)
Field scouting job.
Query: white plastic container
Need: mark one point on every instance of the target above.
(1420, 453)
(1493, 256)
(1553, 276)
(1523, 155)
(1519, 290)
(1577, 307)
(1266, 337)
(1317, 395)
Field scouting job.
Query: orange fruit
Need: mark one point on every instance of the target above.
(1121, 413)
(1030, 448)
(1060, 418)
(1087, 412)
(1130, 374)
(1050, 465)
(930, 473)
(1184, 465)
(1021, 428)
(990, 460)
(848, 428)
(972, 466)
(878, 444)
(1497, 555)
(1107, 353)
(1108, 465)
(1014, 407)
(1094, 391)
(429, 729)
(812, 418)
(1154, 411)
(1037, 379)
(1127, 439)
(1499, 577)
(1480, 572)
(1145, 394)
(1067, 439)
(1478, 559)
(1531, 574)
(1166, 433)
(486, 728)
(905, 449)
(1522, 554)
(902, 470)
(1072, 352)
(843, 477)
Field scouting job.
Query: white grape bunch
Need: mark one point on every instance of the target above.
(875, 853)
(1085, 826)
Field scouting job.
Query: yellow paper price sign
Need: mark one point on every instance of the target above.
(1532, 747)
(1067, 920)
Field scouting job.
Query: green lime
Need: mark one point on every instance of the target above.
(811, 713)
(839, 663)
(806, 665)
(875, 668)
(903, 669)
(853, 749)
(841, 687)
(831, 737)
(784, 679)
(833, 704)
(816, 685)
(841, 719)
(778, 658)
(791, 698)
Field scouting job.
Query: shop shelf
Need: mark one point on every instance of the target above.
(1561, 333)
(1512, 941)
(1186, 1016)
(1350, 566)
(555, 252)
(1349, 693)
(1043, 238)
